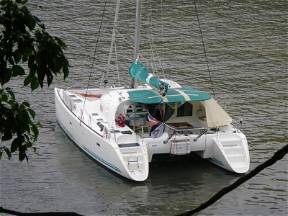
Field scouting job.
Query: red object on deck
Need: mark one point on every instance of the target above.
(120, 120)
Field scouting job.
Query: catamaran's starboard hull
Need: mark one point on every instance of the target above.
(90, 141)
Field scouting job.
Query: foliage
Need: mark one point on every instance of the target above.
(16, 119)
(27, 50)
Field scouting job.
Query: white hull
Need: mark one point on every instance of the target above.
(129, 154)
(227, 150)
(95, 145)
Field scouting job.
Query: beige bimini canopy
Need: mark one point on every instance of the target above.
(215, 114)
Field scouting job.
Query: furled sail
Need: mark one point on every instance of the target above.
(139, 72)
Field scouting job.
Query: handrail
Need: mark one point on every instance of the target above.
(185, 129)
(237, 124)
(202, 131)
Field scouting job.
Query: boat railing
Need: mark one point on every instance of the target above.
(195, 130)
(237, 124)
(78, 87)
(74, 87)
(173, 132)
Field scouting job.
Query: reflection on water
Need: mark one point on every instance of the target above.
(246, 45)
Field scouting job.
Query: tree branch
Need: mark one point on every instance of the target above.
(277, 156)
(7, 211)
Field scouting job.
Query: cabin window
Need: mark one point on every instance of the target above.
(161, 112)
(156, 111)
(169, 111)
(185, 109)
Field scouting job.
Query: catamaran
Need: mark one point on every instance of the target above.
(124, 127)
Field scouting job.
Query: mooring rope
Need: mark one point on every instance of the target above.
(204, 48)
(93, 59)
(277, 156)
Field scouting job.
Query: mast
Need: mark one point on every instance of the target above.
(137, 35)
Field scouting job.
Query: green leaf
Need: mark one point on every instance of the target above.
(10, 92)
(37, 19)
(30, 22)
(17, 56)
(22, 156)
(5, 75)
(41, 25)
(34, 83)
(60, 42)
(7, 152)
(10, 60)
(4, 97)
(25, 103)
(7, 135)
(29, 144)
(27, 80)
(32, 113)
(35, 131)
(31, 61)
(49, 78)
(41, 77)
(17, 70)
(22, 152)
(16, 143)
(65, 71)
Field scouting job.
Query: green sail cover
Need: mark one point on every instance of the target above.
(139, 72)
(175, 95)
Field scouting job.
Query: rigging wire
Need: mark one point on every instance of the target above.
(162, 31)
(151, 37)
(204, 48)
(128, 43)
(154, 54)
(113, 38)
(93, 58)
(117, 66)
(161, 16)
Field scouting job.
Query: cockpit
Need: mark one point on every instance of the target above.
(147, 119)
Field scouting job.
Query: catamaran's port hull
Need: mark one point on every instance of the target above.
(228, 150)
